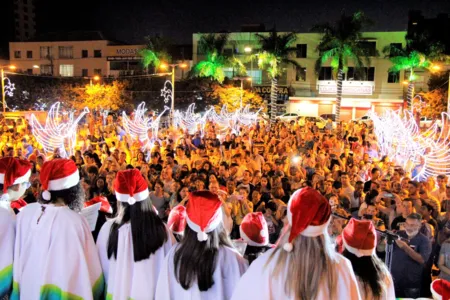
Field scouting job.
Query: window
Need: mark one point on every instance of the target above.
(325, 73)
(25, 9)
(17, 54)
(300, 74)
(395, 46)
(393, 77)
(46, 52)
(98, 71)
(25, 18)
(97, 53)
(301, 50)
(84, 72)
(46, 69)
(25, 25)
(66, 70)
(29, 54)
(65, 52)
(256, 76)
(361, 74)
(369, 47)
(84, 53)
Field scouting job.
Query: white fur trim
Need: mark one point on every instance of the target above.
(216, 220)
(141, 196)
(2, 178)
(24, 178)
(313, 231)
(358, 252)
(4, 197)
(250, 242)
(64, 183)
(436, 296)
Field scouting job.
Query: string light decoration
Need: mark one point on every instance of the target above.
(9, 87)
(190, 121)
(424, 154)
(166, 92)
(142, 127)
(57, 134)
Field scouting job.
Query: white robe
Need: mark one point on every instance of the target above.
(229, 269)
(7, 234)
(258, 282)
(55, 256)
(126, 279)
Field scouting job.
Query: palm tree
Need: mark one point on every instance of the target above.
(409, 59)
(213, 46)
(155, 52)
(340, 43)
(275, 53)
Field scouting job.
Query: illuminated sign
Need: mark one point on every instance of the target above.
(348, 88)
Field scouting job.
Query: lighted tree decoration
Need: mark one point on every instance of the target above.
(156, 52)
(341, 43)
(231, 97)
(57, 134)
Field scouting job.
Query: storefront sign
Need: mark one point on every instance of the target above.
(123, 58)
(356, 89)
(265, 90)
(125, 51)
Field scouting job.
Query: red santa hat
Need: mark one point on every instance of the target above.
(130, 186)
(177, 219)
(254, 230)
(105, 205)
(57, 175)
(203, 213)
(308, 213)
(440, 289)
(359, 238)
(13, 171)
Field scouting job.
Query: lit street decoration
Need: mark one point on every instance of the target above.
(424, 154)
(57, 134)
(142, 127)
(166, 92)
(9, 87)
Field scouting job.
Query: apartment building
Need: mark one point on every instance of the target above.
(312, 94)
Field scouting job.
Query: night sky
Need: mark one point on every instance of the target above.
(131, 20)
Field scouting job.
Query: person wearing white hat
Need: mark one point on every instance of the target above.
(304, 264)
(204, 265)
(132, 246)
(14, 176)
(375, 282)
(55, 253)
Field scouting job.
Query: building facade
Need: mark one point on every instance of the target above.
(24, 19)
(78, 54)
(311, 94)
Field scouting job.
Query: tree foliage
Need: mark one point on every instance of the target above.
(343, 42)
(155, 52)
(436, 103)
(275, 52)
(213, 45)
(107, 96)
(231, 96)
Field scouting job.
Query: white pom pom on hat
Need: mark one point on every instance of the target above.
(288, 247)
(46, 195)
(202, 236)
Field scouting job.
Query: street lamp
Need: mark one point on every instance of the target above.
(173, 66)
(2, 71)
(242, 84)
(95, 78)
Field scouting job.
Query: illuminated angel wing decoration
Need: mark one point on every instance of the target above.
(424, 154)
(142, 127)
(57, 133)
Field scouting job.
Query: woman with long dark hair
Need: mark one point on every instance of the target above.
(204, 265)
(304, 265)
(375, 282)
(132, 246)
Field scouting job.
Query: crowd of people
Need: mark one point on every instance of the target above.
(185, 215)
